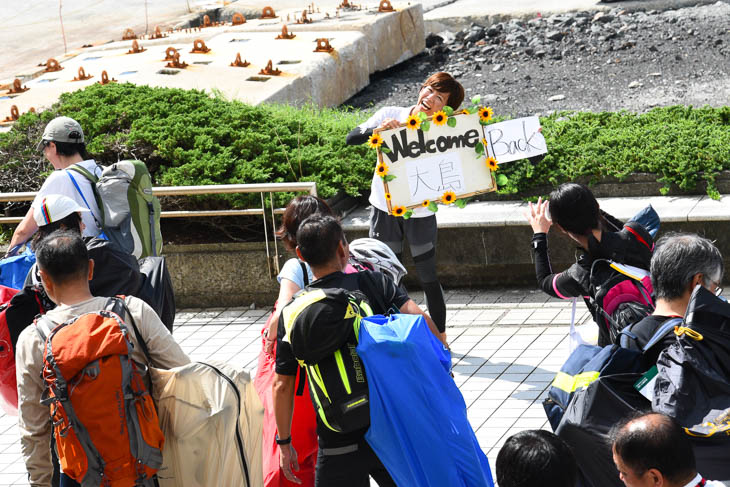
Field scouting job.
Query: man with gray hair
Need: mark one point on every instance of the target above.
(680, 262)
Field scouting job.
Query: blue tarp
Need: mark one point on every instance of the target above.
(419, 428)
(14, 269)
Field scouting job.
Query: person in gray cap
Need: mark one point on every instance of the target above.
(63, 145)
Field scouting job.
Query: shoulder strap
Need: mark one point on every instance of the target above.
(84, 172)
(118, 305)
(666, 327)
(305, 273)
(44, 326)
(625, 335)
(93, 179)
(375, 290)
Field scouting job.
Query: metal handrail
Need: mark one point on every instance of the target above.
(309, 187)
(261, 188)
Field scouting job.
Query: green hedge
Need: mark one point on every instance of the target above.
(190, 138)
(681, 145)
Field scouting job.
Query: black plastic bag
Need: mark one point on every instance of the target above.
(693, 381)
(589, 418)
(156, 289)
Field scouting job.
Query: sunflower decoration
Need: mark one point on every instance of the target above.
(387, 196)
(382, 169)
(485, 114)
(440, 118)
(425, 203)
(448, 197)
(399, 210)
(375, 141)
(413, 122)
(492, 163)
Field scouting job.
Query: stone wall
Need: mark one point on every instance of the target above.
(237, 274)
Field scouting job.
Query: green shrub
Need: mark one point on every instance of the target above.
(680, 145)
(189, 138)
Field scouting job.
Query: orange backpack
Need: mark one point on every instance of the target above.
(104, 420)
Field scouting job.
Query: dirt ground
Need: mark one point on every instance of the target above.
(577, 61)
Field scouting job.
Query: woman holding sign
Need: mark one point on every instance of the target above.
(438, 91)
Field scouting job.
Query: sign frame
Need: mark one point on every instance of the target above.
(482, 159)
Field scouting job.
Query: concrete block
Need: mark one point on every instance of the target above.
(363, 41)
(709, 210)
(220, 274)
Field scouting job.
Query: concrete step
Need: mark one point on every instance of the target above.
(485, 245)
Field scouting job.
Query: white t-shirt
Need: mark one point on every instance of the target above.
(60, 183)
(292, 270)
(377, 190)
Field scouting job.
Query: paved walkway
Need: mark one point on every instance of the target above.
(507, 346)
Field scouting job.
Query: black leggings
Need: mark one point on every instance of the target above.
(421, 234)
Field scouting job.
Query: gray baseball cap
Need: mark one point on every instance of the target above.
(62, 129)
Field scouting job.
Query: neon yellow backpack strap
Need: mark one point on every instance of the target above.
(365, 307)
(315, 378)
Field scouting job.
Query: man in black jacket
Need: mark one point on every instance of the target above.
(343, 458)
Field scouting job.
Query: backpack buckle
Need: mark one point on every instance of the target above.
(63, 432)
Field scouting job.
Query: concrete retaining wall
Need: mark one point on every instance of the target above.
(485, 245)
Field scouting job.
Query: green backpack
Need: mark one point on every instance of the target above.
(130, 212)
(323, 327)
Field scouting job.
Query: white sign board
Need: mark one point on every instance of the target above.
(515, 139)
(424, 165)
(430, 177)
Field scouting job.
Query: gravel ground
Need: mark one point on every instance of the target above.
(577, 61)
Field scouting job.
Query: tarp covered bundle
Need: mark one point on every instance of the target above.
(419, 428)
(212, 420)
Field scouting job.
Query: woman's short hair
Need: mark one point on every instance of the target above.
(574, 208)
(71, 149)
(445, 83)
(298, 210)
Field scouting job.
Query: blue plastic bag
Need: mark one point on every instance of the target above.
(14, 269)
(418, 423)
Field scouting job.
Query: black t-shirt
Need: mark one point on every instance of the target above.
(384, 297)
(644, 331)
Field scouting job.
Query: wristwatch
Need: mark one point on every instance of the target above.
(285, 441)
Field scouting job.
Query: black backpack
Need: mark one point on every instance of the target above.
(323, 326)
(617, 299)
(617, 283)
